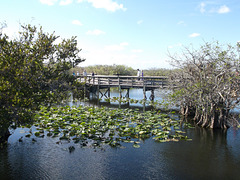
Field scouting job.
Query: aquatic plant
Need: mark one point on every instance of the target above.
(124, 100)
(95, 126)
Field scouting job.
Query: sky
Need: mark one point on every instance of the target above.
(134, 33)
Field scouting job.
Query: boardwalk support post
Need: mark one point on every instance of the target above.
(144, 90)
(85, 91)
(152, 95)
(96, 83)
(127, 95)
(119, 88)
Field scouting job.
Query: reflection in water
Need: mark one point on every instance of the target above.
(210, 155)
(136, 94)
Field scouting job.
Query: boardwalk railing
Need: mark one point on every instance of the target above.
(148, 82)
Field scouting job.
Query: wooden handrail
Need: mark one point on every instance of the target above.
(127, 81)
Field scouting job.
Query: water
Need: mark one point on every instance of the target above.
(210, 155)
(136, 94)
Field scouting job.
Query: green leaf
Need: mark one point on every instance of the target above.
(136, 145)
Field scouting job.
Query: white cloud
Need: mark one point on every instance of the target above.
(116, 47)
(77, 22)
(109, 5)
(124, 44)
(223, 9)
(103, 57)
(11, 32)
(210, 7)
(194, 35)
(140, 22)
(202, 7)
(65, 2)
(96, 54)
(137, 50)
(95, 32)
(48, 2)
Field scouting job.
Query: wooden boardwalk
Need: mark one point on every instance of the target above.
(149, 83)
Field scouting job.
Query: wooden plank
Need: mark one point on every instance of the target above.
(125, 81)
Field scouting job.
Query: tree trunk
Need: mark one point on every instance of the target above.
(219, 121)
(4, 134)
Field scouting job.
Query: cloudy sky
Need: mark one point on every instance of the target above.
(136, 33)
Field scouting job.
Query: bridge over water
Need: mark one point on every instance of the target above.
(101, 84)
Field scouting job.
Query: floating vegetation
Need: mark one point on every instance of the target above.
(125, 100)
(97, 126)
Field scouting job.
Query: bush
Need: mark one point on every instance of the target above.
(207, 85)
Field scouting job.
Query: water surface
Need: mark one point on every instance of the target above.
(210, 155)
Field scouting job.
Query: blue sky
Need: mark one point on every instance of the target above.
(135, 33)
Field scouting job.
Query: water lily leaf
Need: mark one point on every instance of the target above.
(136, 145)
(37, 133)
(49, 134)
(28, 135)
(64, 138)
(126, 130)
(163, 140)
(142, 132)
(108, 125)
(178, 131)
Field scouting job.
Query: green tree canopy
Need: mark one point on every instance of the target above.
(109, 70)
(34, 70)
(121, 70)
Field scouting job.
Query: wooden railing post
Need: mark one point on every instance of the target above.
(144, 89)
(89, 80)
(146, 83)
(119, 88)
(98, 88)
(93, 80)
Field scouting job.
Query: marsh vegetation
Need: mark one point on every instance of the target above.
(95, 126)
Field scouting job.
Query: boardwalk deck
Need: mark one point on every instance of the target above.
(149, 83)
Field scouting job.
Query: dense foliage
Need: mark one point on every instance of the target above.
(96, 126)
(121, 70)
(107, 70)
(34, 70)
(158, 72)
(208, 84)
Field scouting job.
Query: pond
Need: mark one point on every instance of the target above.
(210, 155)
